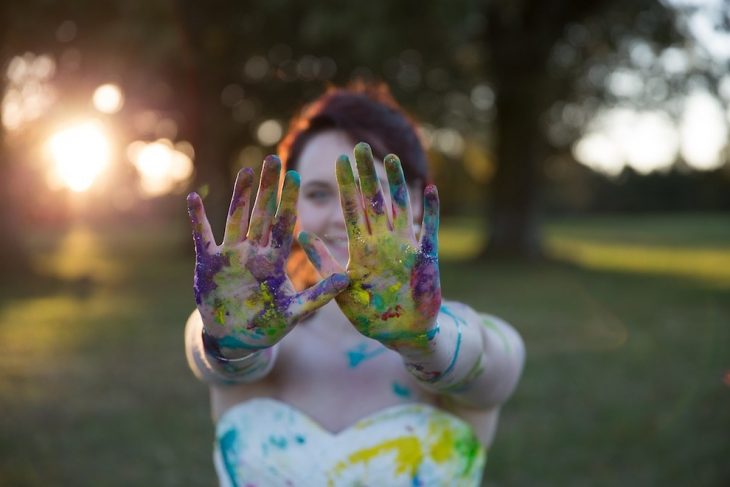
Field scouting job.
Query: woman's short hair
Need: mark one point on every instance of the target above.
(366, 112)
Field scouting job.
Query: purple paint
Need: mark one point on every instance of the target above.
(206, 267)
(236, 201)
(281, 232)
(426, 286)
(429, 242)
(377, 204)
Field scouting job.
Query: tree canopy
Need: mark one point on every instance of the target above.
(503, 88)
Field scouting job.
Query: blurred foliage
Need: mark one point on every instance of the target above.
(503, 86)
(574, 189)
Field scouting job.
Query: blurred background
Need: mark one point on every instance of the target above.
(581, 152)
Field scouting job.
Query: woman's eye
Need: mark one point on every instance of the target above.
(318, 195)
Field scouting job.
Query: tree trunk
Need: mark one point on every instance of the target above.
(518, 39)
(14, 258)
(514, 229)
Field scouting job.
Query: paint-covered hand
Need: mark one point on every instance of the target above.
(244, 296)
(394, 293)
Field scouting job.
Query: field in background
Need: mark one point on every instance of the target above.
(627, 380)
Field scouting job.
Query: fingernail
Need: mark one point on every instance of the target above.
(362, 147)
(193, 201)
(303, 238)
(272, 159)
(293, 177)
(340, 281)
(391, 160)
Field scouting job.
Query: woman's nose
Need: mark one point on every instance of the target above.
(335, 216)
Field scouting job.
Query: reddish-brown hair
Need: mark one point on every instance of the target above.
(366, 112)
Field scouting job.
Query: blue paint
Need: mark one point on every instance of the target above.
(401, 390)
(227, 444)
(300, 439)
(305, 240)
(361, 353)
(433, 332)
(278, 441)
(458, 321)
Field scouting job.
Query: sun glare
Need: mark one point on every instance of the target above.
(162, 165)
(80, 153)
(108, 98)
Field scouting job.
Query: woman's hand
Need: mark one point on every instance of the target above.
(244, 296)
(394, 293)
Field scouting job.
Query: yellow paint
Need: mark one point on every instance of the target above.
(220, 314)
(361, 296)
(443, 448)
(408, 455)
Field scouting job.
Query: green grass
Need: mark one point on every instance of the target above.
(628, 339)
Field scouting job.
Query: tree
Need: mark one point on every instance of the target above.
(231, 65)
(539, 56)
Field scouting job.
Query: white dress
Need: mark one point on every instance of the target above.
(266, 442)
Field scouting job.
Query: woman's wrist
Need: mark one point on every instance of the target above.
(216, 368)
(454, 357)
(241, 368)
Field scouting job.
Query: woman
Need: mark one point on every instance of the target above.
(367, 377)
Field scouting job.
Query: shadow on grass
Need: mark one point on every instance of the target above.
(23, 286)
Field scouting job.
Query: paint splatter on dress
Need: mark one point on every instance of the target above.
(265, 442)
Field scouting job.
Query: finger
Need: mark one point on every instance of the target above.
(265, 204)
(350, 201)
(319, 255)
(429, 229)
(372, 193)
(318, 295)
(237, 222)
(400, 200)
(286, 215)
(202, 233)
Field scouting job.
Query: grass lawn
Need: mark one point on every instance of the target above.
(627, 380)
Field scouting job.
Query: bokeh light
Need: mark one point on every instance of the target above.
(269, 132)
(162, 165)
(704, 132)
(108, 98)
(80, 152)
(28, 94)
(650, 140)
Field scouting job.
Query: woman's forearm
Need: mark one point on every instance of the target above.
(213, 369)
(476, 359)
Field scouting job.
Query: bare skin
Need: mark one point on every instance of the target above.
(332, 372)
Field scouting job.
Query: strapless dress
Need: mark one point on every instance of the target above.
(265, 442)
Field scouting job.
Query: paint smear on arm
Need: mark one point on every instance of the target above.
(363, 352)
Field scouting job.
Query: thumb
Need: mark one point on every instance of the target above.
(319, 255)
(318, 295)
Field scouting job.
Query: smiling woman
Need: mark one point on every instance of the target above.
(363, 375)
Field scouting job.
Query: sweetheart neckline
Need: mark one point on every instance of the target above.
(370, 417)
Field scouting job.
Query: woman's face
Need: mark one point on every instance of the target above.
(319, 200)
